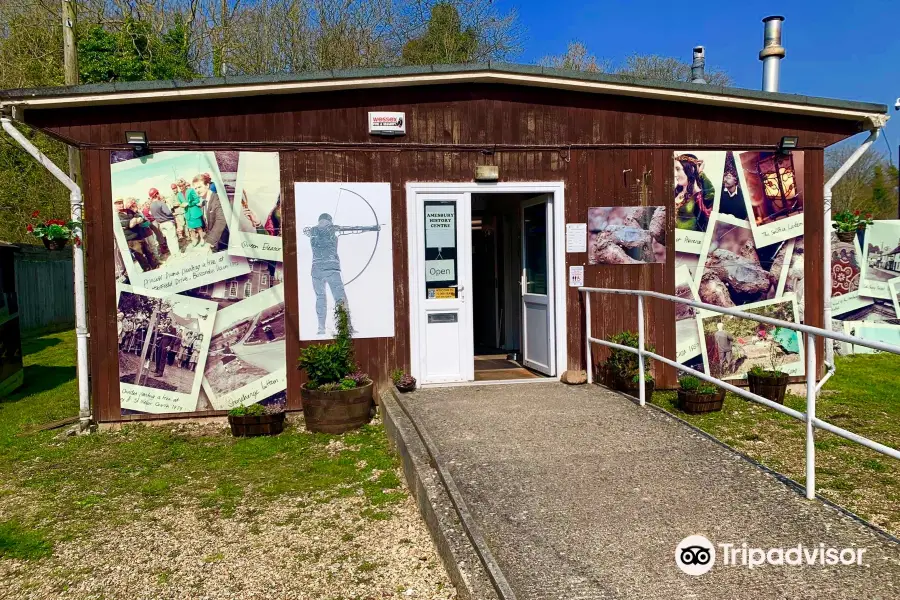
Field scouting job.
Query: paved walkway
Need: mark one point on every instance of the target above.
(582, 494)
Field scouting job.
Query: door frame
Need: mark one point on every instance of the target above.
(556, 189)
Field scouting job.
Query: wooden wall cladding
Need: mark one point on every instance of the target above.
(600, 146)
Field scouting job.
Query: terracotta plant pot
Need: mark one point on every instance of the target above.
(57, 244)
(771, 387)
(846, 236)
(694, 403)
(338, 411)
(251, 426)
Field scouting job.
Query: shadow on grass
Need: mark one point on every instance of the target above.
(39, 379)
(33, 345)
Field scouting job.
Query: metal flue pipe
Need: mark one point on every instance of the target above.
(81, 330)
(698, 66)
(772, 53)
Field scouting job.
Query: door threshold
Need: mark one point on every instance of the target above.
(490, 382)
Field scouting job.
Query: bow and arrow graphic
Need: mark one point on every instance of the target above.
(326, 264)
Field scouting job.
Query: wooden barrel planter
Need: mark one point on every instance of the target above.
(695, 404)
(771, 387)
(251, 426)
(632, 390)
(338, 411)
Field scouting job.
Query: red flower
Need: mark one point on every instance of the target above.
(869, 216)
(77, 240)
(29, 228)
(855, 213)
(35, 214)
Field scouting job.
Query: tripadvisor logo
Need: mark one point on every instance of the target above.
(696, 555)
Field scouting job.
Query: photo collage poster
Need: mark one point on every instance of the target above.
(865, 286)
(738, 243)
(200, 293)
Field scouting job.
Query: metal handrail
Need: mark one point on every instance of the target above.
(809, 417)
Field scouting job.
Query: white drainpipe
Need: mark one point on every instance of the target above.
(826, 263)
(81, 330)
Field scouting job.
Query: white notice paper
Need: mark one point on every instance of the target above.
(576, 237)
(576, 276)
(440, 226)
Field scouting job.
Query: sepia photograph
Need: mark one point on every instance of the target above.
(246, 361)
(626, 235)
(163, 342)
(772, 185)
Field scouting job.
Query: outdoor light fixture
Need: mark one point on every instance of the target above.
(138, 142)
(778, 179)
(788, 143)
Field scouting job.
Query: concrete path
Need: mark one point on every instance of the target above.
(581, 494)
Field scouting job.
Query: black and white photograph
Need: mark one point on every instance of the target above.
(171, 220)
(881, 258)
(256, 226)
(772, 186)
(163, 342)
(246, 361)
(344, 254)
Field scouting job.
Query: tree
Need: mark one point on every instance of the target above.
(639, 66)
(577, 58)
(445, 40)
(864, 186)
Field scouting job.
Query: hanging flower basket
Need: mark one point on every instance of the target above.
(54, 233)
(846, 236)
(56, 244)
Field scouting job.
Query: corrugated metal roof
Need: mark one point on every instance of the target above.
(107, 92)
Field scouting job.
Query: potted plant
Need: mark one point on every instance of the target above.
(55, 233)
(769, 383)
(696, 396)
(632, 389)
(403, 381)
(337, 396)
(847, 223)
(622, 366)
(256, 419)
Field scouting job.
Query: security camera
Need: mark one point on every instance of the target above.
(897, 104)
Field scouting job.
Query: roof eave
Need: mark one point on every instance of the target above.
(782, 103)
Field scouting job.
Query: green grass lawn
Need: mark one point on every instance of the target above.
(863, 397)
(54, 489)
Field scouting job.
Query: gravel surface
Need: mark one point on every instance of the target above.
(296, 549)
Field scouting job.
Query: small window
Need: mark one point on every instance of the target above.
(264, 280)
(232, 289)
(248, 289)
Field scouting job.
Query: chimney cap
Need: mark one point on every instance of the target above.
(772, 18)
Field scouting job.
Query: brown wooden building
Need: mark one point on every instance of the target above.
(563, 143)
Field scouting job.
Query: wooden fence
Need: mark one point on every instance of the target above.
(45, 286)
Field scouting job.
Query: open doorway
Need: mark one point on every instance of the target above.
(509, 253)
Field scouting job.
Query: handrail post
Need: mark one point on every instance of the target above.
(587, 336)
(640, 316)
(810, 416)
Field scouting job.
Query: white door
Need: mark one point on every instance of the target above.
(445, 326)
(538, 331)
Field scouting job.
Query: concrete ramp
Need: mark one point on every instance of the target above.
(580, 493)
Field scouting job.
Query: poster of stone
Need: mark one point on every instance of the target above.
(179, 271)
(626, 235)
(731, 346)
(245, 362)
(163, 344)
(256, 218)
(344, 254)
(698, 176)
(773, 194)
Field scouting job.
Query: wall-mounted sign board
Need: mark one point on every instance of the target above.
(387, 123)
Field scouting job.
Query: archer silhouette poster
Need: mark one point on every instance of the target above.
(344, 254)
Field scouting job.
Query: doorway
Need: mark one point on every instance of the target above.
(487, 287)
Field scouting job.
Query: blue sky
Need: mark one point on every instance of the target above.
(848, 50)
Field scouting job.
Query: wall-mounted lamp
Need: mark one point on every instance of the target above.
(138, 142)
(788, 143)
